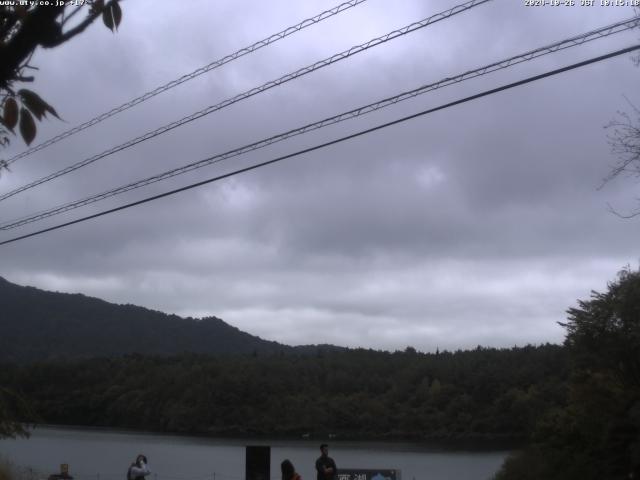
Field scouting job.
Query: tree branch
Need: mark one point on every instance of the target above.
(37, 28)
(71, 15)
(89, 19)
(633, 214)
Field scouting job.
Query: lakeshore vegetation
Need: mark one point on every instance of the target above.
(484, 393)
(573, 409)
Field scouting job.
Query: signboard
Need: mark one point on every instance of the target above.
(364, 474)
(63, 475)
(258, 463)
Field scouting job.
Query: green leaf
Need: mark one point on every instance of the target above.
(52, 111)
(36, 104)
(27, 126)
(10, 117)
(33, 102)
(117, 13)
(112, 15)
(107, 18)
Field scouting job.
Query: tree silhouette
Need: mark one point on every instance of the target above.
(25, 26)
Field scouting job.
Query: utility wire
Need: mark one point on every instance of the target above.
(332, 142)
(372, 107)
(189, 76)
(254, 91)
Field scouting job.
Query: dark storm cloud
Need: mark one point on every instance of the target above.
(479, 224)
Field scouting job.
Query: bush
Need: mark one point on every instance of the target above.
(9, 471)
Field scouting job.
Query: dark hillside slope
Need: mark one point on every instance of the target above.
(39, 325)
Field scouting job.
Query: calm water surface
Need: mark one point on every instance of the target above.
(105, 455)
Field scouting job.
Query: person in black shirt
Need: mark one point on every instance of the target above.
(325, 466)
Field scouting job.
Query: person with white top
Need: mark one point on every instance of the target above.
(138, 469)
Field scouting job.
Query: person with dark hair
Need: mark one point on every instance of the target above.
(325, 466)
(138, 469)
(289, 471)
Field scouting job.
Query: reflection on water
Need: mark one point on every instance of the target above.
(106, 455)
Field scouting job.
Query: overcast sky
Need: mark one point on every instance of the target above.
(479, 224)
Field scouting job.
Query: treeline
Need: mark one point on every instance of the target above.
(478, 394)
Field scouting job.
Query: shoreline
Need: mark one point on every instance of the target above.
(489, 443)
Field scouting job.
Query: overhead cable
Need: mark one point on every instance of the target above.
(329, 143)
(190, 76)
(254, 91)
(372, 107)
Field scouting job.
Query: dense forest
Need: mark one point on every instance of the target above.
(483, 393)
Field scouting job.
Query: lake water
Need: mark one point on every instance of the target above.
(106, 455)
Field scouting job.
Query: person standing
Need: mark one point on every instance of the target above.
(289, 471)
(325, 466)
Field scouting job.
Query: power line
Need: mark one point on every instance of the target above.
(189, 76)
(332, 142)
(514, 60)
(254, 91)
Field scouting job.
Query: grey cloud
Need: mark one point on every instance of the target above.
(479, 224)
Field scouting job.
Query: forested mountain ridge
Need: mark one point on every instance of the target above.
(37, 325)
(84, 361)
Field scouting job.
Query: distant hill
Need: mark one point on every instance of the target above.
(41, 325)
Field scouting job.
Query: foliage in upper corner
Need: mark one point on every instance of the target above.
(31, 104)
(24, 28)
(624, 140)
